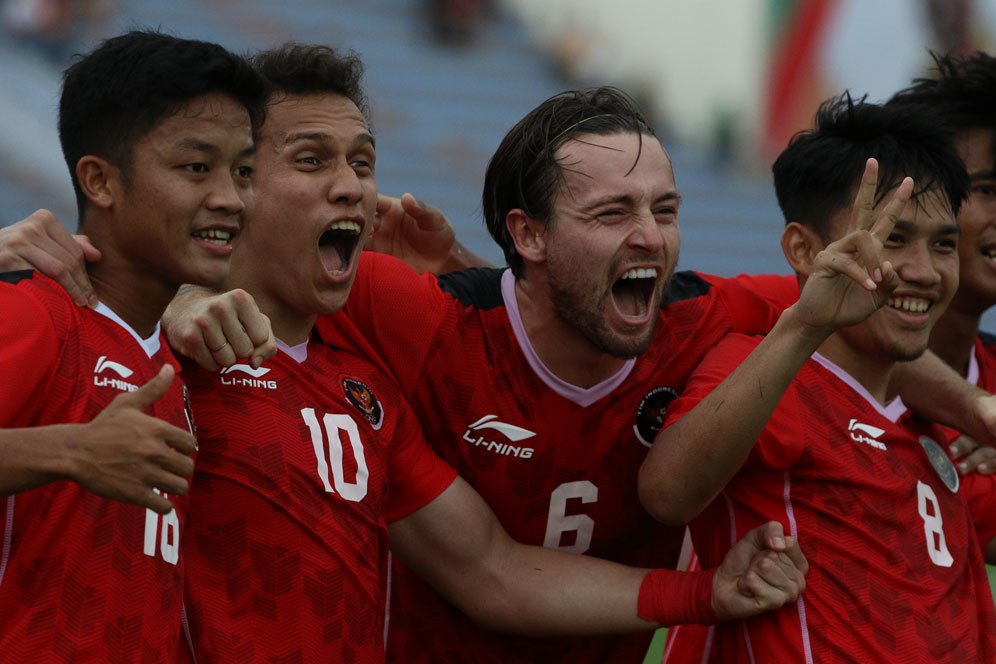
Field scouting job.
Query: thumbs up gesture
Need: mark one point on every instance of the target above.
(124, 454)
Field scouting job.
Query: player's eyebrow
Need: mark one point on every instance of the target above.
(670, 196)
(325, 137)
(197, 145)
(910, 227)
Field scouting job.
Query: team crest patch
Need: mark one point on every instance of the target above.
(360, 395)
(941, 463)
(650, 413)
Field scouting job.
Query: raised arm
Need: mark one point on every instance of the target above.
(420, 235)
(693, 459)
(457, 544)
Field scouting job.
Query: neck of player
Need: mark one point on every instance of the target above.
(566, 352)
(872, 370)
(138, 298)
(953, 337)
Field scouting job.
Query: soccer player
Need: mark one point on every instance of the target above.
(157, 134)
(964, 95)
(819, 443)
(305, 460)
(546, 418)
(581, 484)
(308, 462)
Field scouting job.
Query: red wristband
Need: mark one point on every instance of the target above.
(676, 598)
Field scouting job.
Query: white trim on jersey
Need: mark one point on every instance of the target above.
(973, 368)
(583, 397)
(151, 345)
(800, 604)
(8, 533)
(298, 353)
(892, 411)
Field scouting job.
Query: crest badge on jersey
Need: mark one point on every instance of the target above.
(360, 395)
(941, 463)
(651, 411)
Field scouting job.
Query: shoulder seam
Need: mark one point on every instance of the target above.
(685, 285)
(15, 276)
(478, 287)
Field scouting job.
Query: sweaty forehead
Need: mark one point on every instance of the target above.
(630, 160)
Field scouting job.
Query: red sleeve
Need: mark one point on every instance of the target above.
(775, 448)
(418, 476)
(717, 364)
(979, 491)
(755, 301)
(391, 317)
(29, 351)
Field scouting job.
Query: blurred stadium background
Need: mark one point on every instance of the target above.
(727, 81)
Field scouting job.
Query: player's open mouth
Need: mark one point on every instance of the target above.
(214, 236)
(634, 291)
(913, 305)
(337, 244)
(989, 251)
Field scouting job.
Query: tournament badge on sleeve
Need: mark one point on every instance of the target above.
(361, 396)
(941, 463)
(650, 413)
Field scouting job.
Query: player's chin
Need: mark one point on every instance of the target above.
(331, 298)
(907, 349)
(210, 272)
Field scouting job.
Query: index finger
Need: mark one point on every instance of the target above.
(44, 244)
(963, 445)
(886, 221)
(426, 216)
(862, 212)
(179, 439)
(794, 553)
(385, 203)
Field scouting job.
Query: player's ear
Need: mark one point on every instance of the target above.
(528, 234)
(98, 179)
(800, 244)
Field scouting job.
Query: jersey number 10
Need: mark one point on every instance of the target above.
(330, 455)
(164, 531)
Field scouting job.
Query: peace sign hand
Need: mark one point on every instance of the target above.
(849, 279)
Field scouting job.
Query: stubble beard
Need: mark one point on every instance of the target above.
(586, 315)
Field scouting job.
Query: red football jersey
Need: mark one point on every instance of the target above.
(302, 464)
(82, 578)
(982, 366)
(896, 572)
(556, 463)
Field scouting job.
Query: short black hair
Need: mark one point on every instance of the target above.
(524, 172)
(121, 90)
(963, 91)
(817, 175)
(313, 69)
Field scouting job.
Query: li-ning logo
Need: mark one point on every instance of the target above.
(865, 433)
(104, 365)
(510, 431)
(252, 381)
